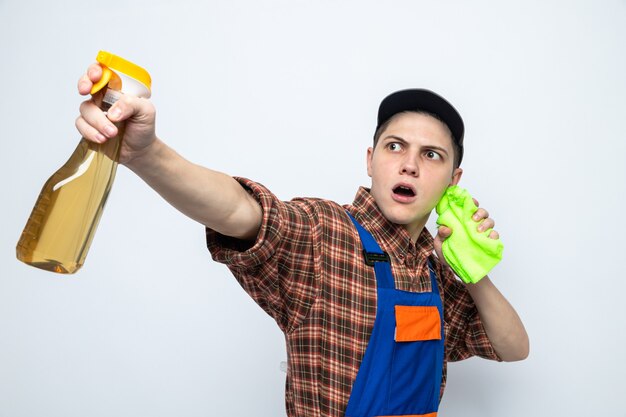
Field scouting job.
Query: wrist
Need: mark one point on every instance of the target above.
(481, 286)
(141, 161)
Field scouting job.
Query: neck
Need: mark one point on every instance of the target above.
(415, 229)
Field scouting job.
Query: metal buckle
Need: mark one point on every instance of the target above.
(371, 258)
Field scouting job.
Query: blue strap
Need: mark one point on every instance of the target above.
(396, 378)
(374, 254)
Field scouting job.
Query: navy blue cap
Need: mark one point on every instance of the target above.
(425, 100)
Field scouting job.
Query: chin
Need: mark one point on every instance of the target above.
(402, 216)
(407, 214)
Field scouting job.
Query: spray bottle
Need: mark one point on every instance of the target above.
(64, 220)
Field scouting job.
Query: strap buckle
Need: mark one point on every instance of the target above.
(371, 257)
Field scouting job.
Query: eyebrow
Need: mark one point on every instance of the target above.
(399, 139)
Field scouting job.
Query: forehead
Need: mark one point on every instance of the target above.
(413, 126)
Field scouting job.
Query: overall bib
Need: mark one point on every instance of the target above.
(401, 371)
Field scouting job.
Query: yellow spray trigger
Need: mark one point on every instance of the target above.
(106, 77)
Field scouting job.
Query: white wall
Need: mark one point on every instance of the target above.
(286, 92)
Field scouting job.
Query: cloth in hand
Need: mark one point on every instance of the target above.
(470, 253)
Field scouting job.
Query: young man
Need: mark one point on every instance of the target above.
(368, 332)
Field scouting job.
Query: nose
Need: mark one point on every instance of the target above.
(409, 166)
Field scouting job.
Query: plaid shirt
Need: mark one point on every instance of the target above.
(306, 270)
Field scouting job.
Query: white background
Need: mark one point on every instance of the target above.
(286, 92)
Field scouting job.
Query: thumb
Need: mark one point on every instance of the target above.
(444, 232)
(127, 107)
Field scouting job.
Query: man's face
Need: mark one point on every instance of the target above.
(411, 168)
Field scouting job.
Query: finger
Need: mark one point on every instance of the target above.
(486, 224)
(481, 213)
(94, 117)
(444, 232)
(89, 132)
(121, 110)
(94, 72)
(494, 235)
(89, 78)
(84, 85)
(476, 202)
(128, 106)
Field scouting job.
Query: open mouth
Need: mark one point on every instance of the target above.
(404, 190)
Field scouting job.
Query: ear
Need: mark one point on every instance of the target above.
(456, 176)
(370, 155)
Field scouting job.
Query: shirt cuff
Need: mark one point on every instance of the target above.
(237, 253)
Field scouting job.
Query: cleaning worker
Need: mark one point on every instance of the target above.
(370, 308)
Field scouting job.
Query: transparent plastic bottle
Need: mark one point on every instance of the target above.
(63, 222)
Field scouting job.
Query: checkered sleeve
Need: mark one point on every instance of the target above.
(278, 270)
(465, 334)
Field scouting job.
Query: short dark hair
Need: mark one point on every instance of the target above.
(455, 146)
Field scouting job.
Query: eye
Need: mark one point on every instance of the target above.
(433, 155)
(394, 146)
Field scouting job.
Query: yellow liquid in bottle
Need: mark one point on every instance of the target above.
(63, 222)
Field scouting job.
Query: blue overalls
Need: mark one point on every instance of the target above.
(401, 371)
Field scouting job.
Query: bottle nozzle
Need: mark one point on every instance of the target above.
(122, 75)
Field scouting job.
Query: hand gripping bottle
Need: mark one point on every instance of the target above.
(63, 222)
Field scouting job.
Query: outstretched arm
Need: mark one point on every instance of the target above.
(212, 198)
